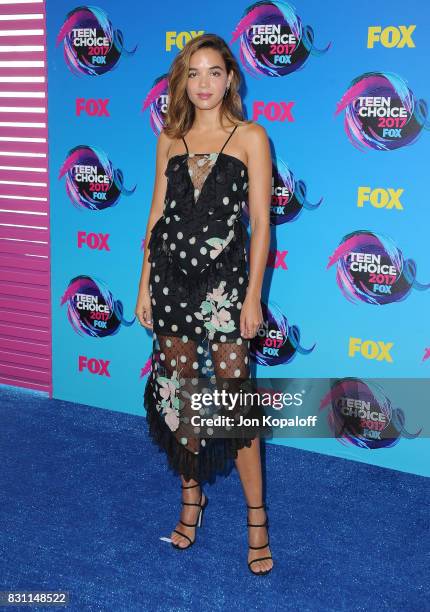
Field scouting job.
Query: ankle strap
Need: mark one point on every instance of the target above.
(259, 547)
(255, 507)
(191, 486)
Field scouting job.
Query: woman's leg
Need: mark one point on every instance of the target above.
(248, 464)
(177, 363)
(189, 514)
(231, 361)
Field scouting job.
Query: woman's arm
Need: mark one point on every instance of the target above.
(259, 198)
(143, 305)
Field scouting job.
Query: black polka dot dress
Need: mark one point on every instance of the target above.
(198, 280)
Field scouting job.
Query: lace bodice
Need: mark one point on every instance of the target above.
(199, 167)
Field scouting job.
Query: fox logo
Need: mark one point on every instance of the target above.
(370, 349)
(391, 36)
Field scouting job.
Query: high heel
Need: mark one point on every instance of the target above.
(264, 572)
(199, 519)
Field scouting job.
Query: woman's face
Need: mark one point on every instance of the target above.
(207, 78)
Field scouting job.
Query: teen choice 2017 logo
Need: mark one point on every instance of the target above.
(276, 341)
(273, 41)
(362, 415)
(157, 100)
(91, 308)
(381, 112)
(289, 196)
(371, 269)
(91, 45)
(91, 180)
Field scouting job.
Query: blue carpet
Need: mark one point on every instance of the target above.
(86, 496)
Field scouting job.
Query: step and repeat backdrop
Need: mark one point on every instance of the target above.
(343, 94)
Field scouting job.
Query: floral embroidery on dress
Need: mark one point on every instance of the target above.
(213, 310)
(219, 244)
(169, 404)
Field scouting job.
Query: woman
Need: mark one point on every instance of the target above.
(195, 292)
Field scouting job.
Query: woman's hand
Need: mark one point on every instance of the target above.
(251, 316)
(143, 309)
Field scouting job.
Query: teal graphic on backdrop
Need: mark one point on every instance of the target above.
(381, 112)
(91, 180)
(91, 44)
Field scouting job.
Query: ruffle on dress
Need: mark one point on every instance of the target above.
(216, 457)
(230, 261)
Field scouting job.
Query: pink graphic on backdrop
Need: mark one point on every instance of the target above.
(92, 46)
(371, 269)
(273, 41)
(381, 112)
(156, 100)
(92, 182)
(362, 415)
(277, 342)
(91, 308)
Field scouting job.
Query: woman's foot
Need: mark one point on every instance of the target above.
(259, 538)
(193, 500)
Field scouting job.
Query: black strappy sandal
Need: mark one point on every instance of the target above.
(264, 572)
(199, 519)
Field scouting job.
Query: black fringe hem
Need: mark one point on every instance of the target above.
(215, 458)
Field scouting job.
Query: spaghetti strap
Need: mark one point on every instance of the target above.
(231, 134)
(186, 146)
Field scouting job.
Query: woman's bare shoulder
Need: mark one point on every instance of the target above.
(254, 140)
(165, 142)
(254, 132)
(164, 139)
